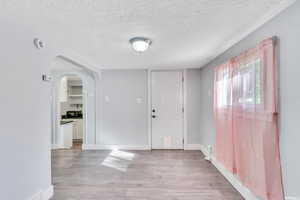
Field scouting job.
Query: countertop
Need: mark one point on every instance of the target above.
(65, 122)
(70, 118)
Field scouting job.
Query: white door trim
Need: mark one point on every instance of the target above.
(184, 131)
(185, 107)
(149, 110)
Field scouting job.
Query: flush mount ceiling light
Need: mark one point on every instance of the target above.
(140, 44)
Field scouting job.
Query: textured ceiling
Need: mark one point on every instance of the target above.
(185, 33)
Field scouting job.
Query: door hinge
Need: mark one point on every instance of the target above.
(182, 79)
(182, 109)
(182, 141)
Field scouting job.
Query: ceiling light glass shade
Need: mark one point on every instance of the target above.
(140, 44)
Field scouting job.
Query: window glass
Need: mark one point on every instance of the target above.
(246, 83)
(250, 83)
(224, 88)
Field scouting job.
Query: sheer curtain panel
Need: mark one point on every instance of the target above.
(246, 119)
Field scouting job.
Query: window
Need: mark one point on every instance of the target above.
(224, 88)
(248, 82)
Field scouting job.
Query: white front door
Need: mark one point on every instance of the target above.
(167, 109)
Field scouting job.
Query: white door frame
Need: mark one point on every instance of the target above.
(184, 131)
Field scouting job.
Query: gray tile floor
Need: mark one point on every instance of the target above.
(137, 175)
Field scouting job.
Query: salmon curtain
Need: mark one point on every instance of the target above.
(245, 110)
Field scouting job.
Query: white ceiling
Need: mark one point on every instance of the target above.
(185, 33)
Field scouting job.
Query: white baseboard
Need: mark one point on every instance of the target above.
(132, 147)
(204, 150)
(56, 146)
(235, 182)
(47, 194)
(43, 194)
(192, 147)
(292, 198)
(112, 147)
(36, 196)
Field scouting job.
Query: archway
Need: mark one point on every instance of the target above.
(62, 67)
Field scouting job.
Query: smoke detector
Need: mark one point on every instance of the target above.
(39, 44)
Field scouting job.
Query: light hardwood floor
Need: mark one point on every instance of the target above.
(137, 175)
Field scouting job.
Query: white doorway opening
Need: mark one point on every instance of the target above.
(71, 113)
(167, 110)
(73, 105)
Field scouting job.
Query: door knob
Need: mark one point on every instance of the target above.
(153, 116)
(153, 110)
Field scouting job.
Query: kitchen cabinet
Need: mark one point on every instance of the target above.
(75, 91)
(65, 137)
(78, 129)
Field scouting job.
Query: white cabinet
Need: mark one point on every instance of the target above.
(65, 138)
(78, 129)
(75, 91)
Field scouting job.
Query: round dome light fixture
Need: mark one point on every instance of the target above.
(140, 44)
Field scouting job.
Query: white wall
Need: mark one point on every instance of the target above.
(25, 167)
(287, 27)
(123, 121)
(193, 111)
(122, 106)
(25, 119)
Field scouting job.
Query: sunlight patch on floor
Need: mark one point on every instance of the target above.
(119, 160)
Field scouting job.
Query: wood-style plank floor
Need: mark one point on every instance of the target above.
(137, 175)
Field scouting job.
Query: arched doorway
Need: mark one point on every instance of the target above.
(73, 95)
